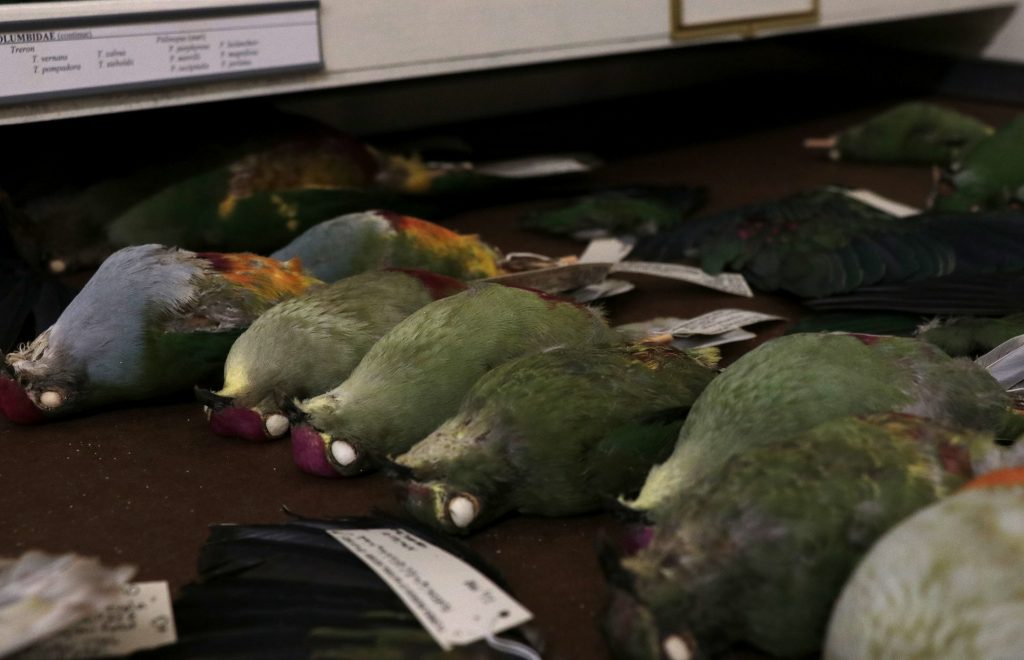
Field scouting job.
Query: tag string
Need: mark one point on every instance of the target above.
(509, 646)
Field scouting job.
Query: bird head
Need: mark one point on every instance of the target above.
(31, 389)
(229, 418)
(444, 507)
(633, 632)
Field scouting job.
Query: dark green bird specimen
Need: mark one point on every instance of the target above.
(988, 176)
(791, 384)
(267, 592)
(759, 553)
(910, 133)
(263, 199)
(416, 375)
(553, 434)
(632, 211)
(845, 254)
(971, 337)
(958, 336)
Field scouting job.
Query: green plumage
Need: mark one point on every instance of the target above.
(791, 384)
(416, 375)
(872, 323)
(945, 583)
(911, 133)
(309, 344)
(759, 553)
(971, 337)
(554, 434)
(191, 213)
(988, 176)
(635, 211)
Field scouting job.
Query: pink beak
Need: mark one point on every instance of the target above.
(16, 404)
(310, 451)
(234, 422)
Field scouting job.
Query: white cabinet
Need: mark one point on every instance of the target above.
(365, 41)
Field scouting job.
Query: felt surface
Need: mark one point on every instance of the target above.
(140, 484)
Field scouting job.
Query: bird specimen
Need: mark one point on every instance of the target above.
(308, 344)
(554, 433)
(415, 376)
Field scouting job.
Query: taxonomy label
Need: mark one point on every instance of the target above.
(154, 50)
(456, 603)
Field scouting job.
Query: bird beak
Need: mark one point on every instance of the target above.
(396, 471)
(237, 422)
(16, 404)
(290, 409)
(212, 400)
(309, 451)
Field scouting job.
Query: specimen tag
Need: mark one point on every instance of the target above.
(733, 283)
(141, 618)
(732, 336)
(883, 204)
(608, 250)
(524, 168)
(600, 290)
(721, 320)
(455, 602)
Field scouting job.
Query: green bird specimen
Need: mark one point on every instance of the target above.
(372, 240)
(759, 553)
(793, 383)
(633, 211)
(265, 198)
(416, 375)
(988, 176)
(946, 583)
(553, 434)
(845, 254)
(910, 133)
(972, 336)
(308, 344)
(958, 336)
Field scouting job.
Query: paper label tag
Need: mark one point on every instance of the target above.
(607, 250)
(455, 602)
(883, 204)
(141, 618)
(690, 343)
(605, 289)
(733, 283)
(57, 59)
(525, 168)
(721, 320)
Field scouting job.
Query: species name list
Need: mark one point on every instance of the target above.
(45, 62)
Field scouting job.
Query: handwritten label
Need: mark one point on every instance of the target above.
(883, 204)
(454, 602)
(607, 250)
(733, 283)
(721, 320)
(140, 618)
(96, 56)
